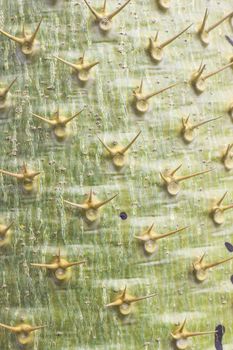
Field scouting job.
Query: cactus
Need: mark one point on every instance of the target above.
(50, 170)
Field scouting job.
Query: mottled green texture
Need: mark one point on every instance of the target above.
(76, 316)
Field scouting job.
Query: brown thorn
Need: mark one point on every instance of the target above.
(44, 119)
(12, 37)
(174, 171)
(186, 177)
(79, 206)
(32, 38)
(218, 71)
(74, 116)
(93, 11)
(227, 207)
(74, 66)
(171, 233)
(18, 176)
(135, 299)
(75, 263)
(162, 176)
(141, 86)
(202, 258)
(124, 293)
(10, 328)
(107, 148)
(114, 13)
(195, 334)
(202, 28)
(35, 328)
(104, 5)
(204, 122)
(90, 197)
(148, 96)
(52, 266)
(125, 149)
(9, 87)
(91, 65)
(169, 41)
(209, 266)
(100, 204)
(150, 228)
(219, 22)
(182, 325)
(221, 199)
(117, 302)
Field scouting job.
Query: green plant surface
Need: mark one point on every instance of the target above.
(76, 316)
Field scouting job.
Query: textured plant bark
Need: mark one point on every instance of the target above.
(75, 316)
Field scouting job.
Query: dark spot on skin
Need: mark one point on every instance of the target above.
(220, 330)
(229, 247)
(229, 39)
(123, 215)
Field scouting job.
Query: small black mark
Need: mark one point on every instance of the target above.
(123, 215)
(220, 330)
(229, 247)
(229, 39)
